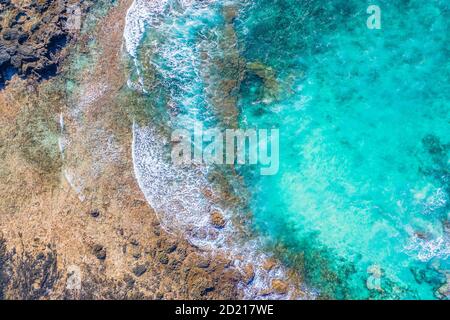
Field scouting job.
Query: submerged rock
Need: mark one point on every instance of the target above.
(268, 76)
(444, 291)
(248, 274)
(433, 144)
(269, 264)
(280, 286)
(217, 219)
(230, 13)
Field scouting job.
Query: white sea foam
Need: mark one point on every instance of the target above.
(181, 71)
(427, 249)
(140, 13)
(75, 183)
(177, 193)
(143, 13)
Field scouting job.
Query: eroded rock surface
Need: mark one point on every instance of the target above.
(73, 222)
(34, 34)
(107, 244)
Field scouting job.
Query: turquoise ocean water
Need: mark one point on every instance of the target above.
(361, 202)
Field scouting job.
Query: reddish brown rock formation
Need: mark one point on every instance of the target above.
(109, 244)
(279, 286)
(217, 219)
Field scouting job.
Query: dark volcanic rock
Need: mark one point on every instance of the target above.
(33, 37)
(163, 258)
(95, 213)
(10, 35)
(3, 260)
(139, 270)
(30, 276)
(99, 251)
(4, 56)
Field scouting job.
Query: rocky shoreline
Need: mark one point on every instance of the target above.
(34, 35)
(73, 222)
(53, 245)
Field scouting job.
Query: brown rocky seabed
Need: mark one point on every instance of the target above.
(101, 241)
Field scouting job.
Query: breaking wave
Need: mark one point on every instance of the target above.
(181, 196)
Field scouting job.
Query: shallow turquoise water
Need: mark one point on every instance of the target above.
(363, 190)
(364, 139)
